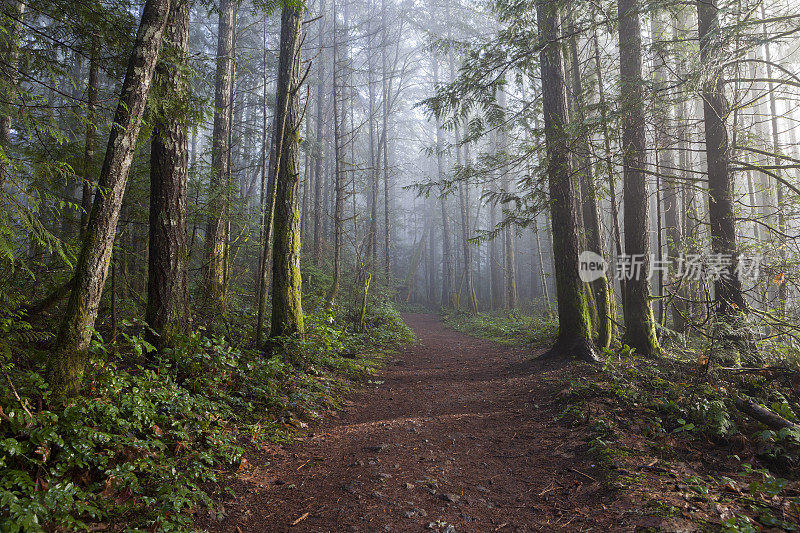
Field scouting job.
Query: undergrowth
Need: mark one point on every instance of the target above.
(669, 429)
(139, 448)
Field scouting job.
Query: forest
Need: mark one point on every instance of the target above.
(392, 265)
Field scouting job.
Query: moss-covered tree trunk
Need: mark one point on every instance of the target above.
(287, 309)
(167, 299)
(66, 365)
(574, 323)
(216, 229)
(640, 329)
(603, 296)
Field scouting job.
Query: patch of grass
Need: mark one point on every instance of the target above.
(505, 327)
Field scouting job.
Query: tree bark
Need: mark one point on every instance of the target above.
(167, 297)
(66, 366)
(287, 309)
(374, 158)
(216, 231)
(91, 132)
(603, 295)
(319, 152)
(267, 206)
(574, 324)
(339, 191)
(640, 331)
(728, 294)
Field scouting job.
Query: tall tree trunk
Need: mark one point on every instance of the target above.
(448, 269)
(509, 267)
(319, 152)
(540, 261)
(9, 45)
(574, 323)
(496, 293)
(776, 161)
(666, 154)
(727, 290)
(431, 264)
(339, 184)
(611, 181)
(603, 295)
(385, 89)
(304, 207)
(466, 248)
(268, 181)
(91, 132)
(167, 297)
(287, 309)
(640, 331)
(374, 155)
(216, 232)
(66, 365)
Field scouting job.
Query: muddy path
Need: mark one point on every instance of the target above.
(454, 434)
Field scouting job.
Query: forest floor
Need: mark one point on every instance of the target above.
(455, 434)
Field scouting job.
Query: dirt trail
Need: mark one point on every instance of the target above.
(461, 433)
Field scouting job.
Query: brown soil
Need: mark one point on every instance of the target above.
(455, 434)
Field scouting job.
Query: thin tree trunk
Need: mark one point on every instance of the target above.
(387, 239)
(167, 297)
(216, 234)
(776, 160)
(338, 209)
(666, 155)
(374, 157)
(496, 294)
(466, 248)
(448, 273)
(268, 181)
(509, 267)
(431, 266)
(318, 155)
(610, 175)
(91, 132)
(66, 365)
